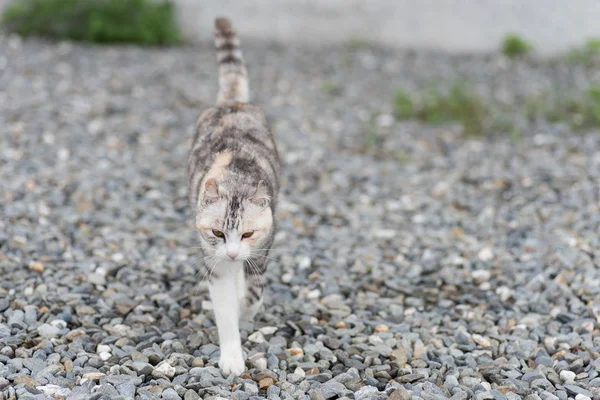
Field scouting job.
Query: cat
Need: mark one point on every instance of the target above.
(233, 172)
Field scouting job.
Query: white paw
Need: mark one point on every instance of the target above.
(231, 361)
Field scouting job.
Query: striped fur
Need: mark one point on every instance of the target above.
(233, 173)
(233, 77)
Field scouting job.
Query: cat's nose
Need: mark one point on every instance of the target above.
(232, 254)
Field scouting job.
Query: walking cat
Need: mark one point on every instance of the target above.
(233, 172)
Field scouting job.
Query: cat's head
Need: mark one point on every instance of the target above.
(234, 221)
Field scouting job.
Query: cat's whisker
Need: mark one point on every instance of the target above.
(256, 270)
(267, 257)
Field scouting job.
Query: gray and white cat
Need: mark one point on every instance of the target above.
(233, 172)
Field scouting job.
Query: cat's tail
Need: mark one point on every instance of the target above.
(233, 77)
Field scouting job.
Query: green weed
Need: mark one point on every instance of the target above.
(100, 21)
(513, 46)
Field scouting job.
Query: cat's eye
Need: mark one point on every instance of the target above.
(218, 234)
(247, 234)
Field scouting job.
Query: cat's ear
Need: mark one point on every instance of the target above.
(211, 191)
(261, 197)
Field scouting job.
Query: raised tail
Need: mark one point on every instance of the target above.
(233, 77)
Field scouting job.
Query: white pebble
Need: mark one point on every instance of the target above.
(165, 369)
(374, 339)
(485, 254)
(58, 323)
(385, 120)
(567, 376)
(104, 355)
(257, 337)
(481, 275)
(51, 390)
(103, 348)
(480, 340)
(260, 363)
(385, 234)
(304, 262)
(582, 397)
(287, 277)
(268, 330)
(48, 331)
(94, 376)
(504, 293)
(299, 371)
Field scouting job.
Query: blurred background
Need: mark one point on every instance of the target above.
(438, 219)
(451, 25)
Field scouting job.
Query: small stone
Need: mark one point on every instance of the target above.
(94, 376)
(170, 394)
(197, 362)
(257, 337)
(142, 368)
(25, 380)
(410, 378)
(382, 328)
(419, 351)
(480, 340)
(268, 330)
(481, 275)
(96, 279)
(582, 397)
(164, 369)
(54, 391)
(400, 356)
(36, 266)
(250, 388)
(567, 376)
(366, 393)
(294, 351)
(260, 363)
(48, 331)
(340, 325)
(485, 254)
(332, 389)
(191, 395)
(102, 348)
(265, 383)
(575, 390)
(399, 394)
(304, 262)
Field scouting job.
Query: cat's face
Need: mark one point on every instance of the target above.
(233, 227)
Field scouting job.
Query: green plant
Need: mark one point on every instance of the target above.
(403, 104)
(101, 21)
(371, 136)
(402, 156)
(580, 111)
(359, 44)
(587, 55)
(514, 46)
(330, 88)
(459, 104)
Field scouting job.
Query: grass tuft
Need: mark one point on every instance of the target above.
(580, 111)
(459, 105)
(331, 88)
(588, 55)
(513, 46)
(100, 21)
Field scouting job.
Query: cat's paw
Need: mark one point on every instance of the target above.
(231, 361)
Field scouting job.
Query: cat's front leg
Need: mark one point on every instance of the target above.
(224, 296)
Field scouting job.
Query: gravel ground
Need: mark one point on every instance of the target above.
(462, 268)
